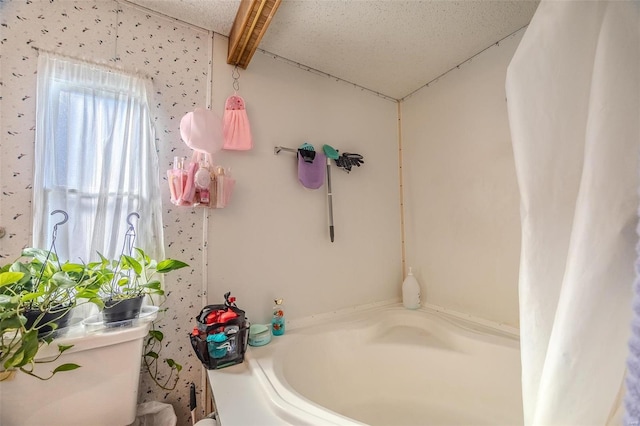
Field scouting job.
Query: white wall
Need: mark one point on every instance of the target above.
(273, 240)
(461, 197)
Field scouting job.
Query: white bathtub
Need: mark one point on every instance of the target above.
(385, 366)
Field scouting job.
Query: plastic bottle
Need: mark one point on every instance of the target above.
(202, 181)
(411, 292)
(220, 187)
(177, 178)
(277, 320)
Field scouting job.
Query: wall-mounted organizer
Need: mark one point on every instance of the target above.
(200, 183)
(311, 172)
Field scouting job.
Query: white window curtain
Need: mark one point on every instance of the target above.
(95, 158)
(573, 92)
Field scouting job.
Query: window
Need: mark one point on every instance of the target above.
(95, 159)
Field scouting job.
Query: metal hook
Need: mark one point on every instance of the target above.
(130, 235)
(235, 74)
(54, 236)
(66, 217)
(277, 149)
(129, 217)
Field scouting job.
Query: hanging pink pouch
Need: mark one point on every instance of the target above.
(312, 175)
(236, 129)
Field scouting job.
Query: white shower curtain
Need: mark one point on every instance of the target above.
(573, 98)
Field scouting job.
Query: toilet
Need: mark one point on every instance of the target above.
(103, 391)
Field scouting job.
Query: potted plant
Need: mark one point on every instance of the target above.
(36, 299)
(124, 283)
(127, 281)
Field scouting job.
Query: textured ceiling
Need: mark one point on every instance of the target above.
(390, 46)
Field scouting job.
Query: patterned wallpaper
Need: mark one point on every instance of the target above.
(176, 57)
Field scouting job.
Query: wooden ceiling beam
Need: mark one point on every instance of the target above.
(251, 23)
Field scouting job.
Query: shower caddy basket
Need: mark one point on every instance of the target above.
(221, 334)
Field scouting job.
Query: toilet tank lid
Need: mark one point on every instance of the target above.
(83, 339)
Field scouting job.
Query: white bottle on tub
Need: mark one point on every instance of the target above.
(411, 292)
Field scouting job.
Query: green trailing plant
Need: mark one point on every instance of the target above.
(151, 358)
(46, 283)
(36, 296)
(136, 275)
(133, 276)
(43, 285)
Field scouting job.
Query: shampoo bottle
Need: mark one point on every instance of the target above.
(277, 320)
(202, 181)
(411, 292)
(177, 178)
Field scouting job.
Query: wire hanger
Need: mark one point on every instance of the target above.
(130, 235)
(128, 243)
(235, 74)
(54, 235)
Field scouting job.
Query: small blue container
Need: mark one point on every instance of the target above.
(259, 335)
(217, 345)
